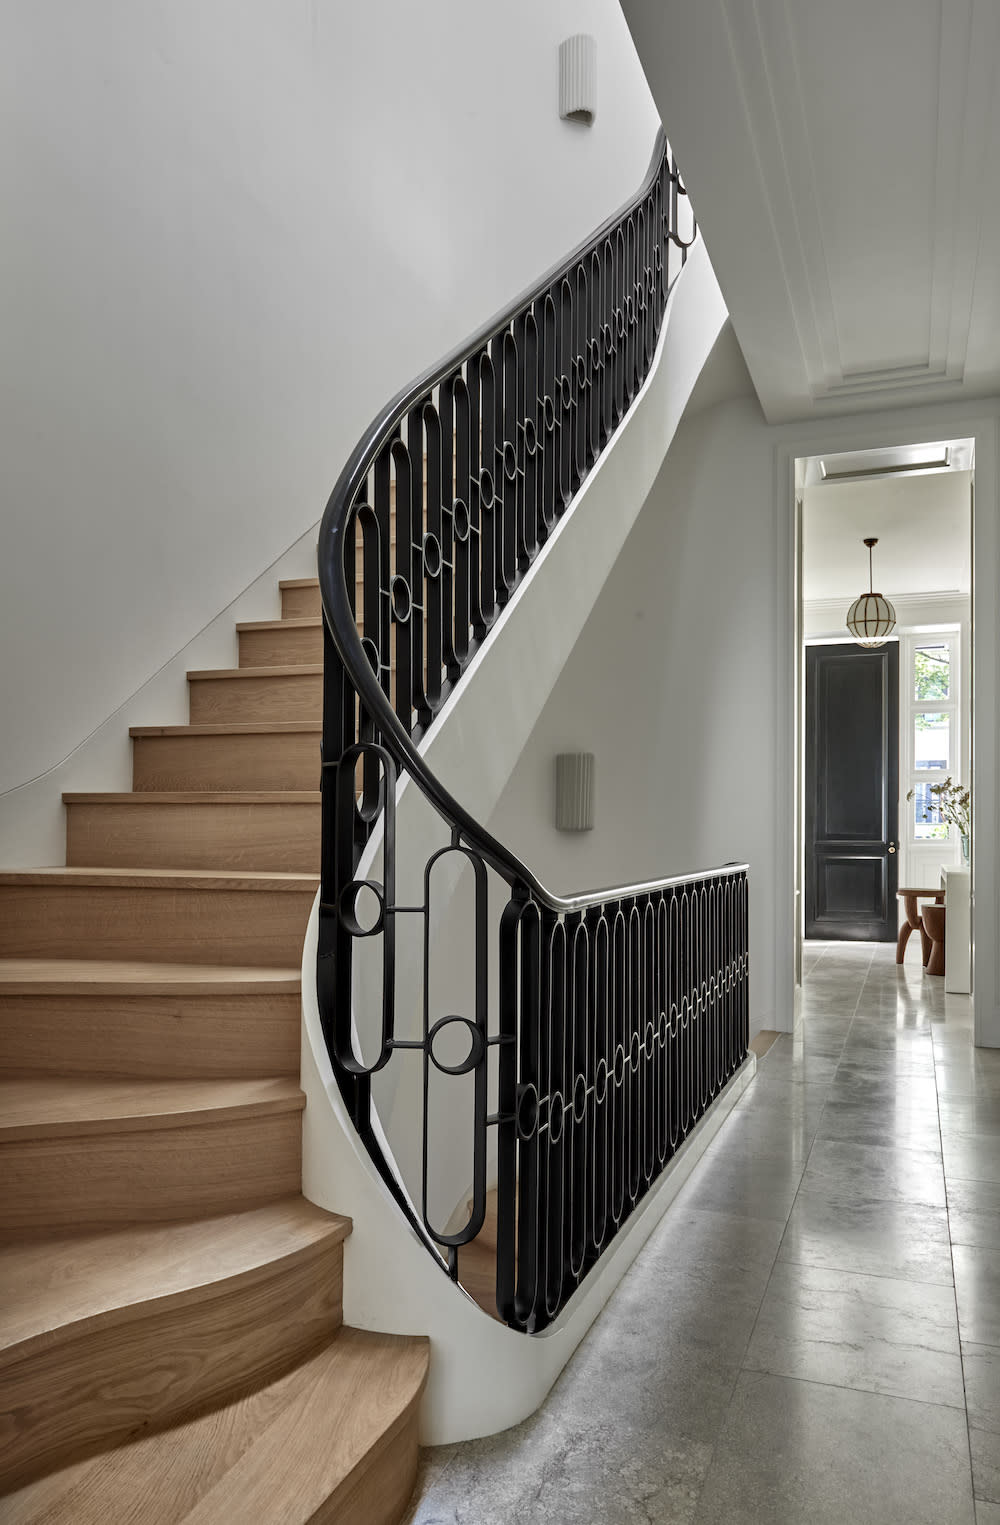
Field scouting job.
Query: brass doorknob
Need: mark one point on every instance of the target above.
(892, 848)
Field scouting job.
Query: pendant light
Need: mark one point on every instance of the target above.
(871, 618)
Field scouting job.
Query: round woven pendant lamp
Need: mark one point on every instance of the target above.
(871, 618)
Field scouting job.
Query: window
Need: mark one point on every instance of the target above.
(932, 735)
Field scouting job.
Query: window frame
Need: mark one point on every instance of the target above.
(913, 642)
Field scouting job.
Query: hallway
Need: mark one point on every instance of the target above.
(786, 1348)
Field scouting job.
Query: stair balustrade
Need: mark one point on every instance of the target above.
(601, 1026)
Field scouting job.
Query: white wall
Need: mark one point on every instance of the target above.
(231, 232)
(673, 687)
(683, 685)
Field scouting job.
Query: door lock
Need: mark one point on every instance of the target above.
(892, 847)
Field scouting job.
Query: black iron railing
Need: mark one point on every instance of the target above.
(610, 1021)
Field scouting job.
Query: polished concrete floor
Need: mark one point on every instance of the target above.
(812, 1334)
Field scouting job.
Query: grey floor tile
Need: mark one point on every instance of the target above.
(746, 1185)
(694, 1237)
(900, 1239)
(974, 1212)
(863, 1122)
(982, 1390)
(977, 1288)
(974, 1117)
(793, 1452)
(869, 1332)
(844, 1170)
(970, 1158)
(986, 1513)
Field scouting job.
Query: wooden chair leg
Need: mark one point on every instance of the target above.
(904, 937)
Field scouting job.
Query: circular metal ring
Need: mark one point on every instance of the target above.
(601, 1081)
(579, 1098)
(530, 437)
(557, 1116)
(650, 1043)
(461, 519)
(580, 368)
(509, 461)
(526, 1111)
(565, 391)
(486, 488)
(619, 323)
(402, 599)
(619, 1071)
(634, 1051)
(594, 354)
(662, 1029)
(347, 908)
(432, 555)
(477, 1045)
(548, 412)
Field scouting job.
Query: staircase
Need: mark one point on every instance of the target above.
(171, 1337)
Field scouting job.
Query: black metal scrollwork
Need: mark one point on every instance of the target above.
(613, 1020)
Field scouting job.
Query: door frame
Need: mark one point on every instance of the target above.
(870, 432)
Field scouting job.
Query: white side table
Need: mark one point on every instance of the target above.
(957, 930)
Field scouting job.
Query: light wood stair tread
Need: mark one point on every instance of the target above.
(52, 976)
(80, 1279)
(278, 1452)
(199, 797)
(49, 1106)
(299, 582)
(304, 670)
(234, 728)
(159, 878)
(299, 622)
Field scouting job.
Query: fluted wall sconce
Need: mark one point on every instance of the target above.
(575, 791)
(578, 79)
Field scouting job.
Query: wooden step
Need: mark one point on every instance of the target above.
(167, 915)
(257, 693)
(201, 829)
(103, 1334)
(300, 598)
(147, 1021)
(227, 757)
(96, 1153)
(281, 643)
(333, 1441)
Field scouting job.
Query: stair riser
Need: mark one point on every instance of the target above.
(184, 1037)
(94, 1387)
(189, 926)
(275, 838)
(300, 603)
(280, 648)
(253, 761)
(380, 1495)
(241, 700)
(151, 1175)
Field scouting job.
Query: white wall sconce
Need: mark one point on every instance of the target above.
(575, 791)
(578, 79)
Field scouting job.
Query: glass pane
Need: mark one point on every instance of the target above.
(927, 823)
(932, 672)
(931, 740)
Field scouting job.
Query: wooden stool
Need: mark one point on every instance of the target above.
(913, 922)
(934, 928)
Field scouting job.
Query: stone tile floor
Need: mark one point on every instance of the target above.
(812, 1334)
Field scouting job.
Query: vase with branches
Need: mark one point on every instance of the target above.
(952, 804)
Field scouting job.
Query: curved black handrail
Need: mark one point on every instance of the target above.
(533, 397)
(337, 524)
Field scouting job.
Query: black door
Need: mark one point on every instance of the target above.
(851, 792)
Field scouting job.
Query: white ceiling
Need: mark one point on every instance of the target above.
(843, 159)
(923, 525)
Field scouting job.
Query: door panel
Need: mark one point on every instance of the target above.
(851, 788)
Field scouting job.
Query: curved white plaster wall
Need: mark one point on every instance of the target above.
(231, 232)
(391, 1281)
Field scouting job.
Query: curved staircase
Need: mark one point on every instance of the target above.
(171, 1338)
